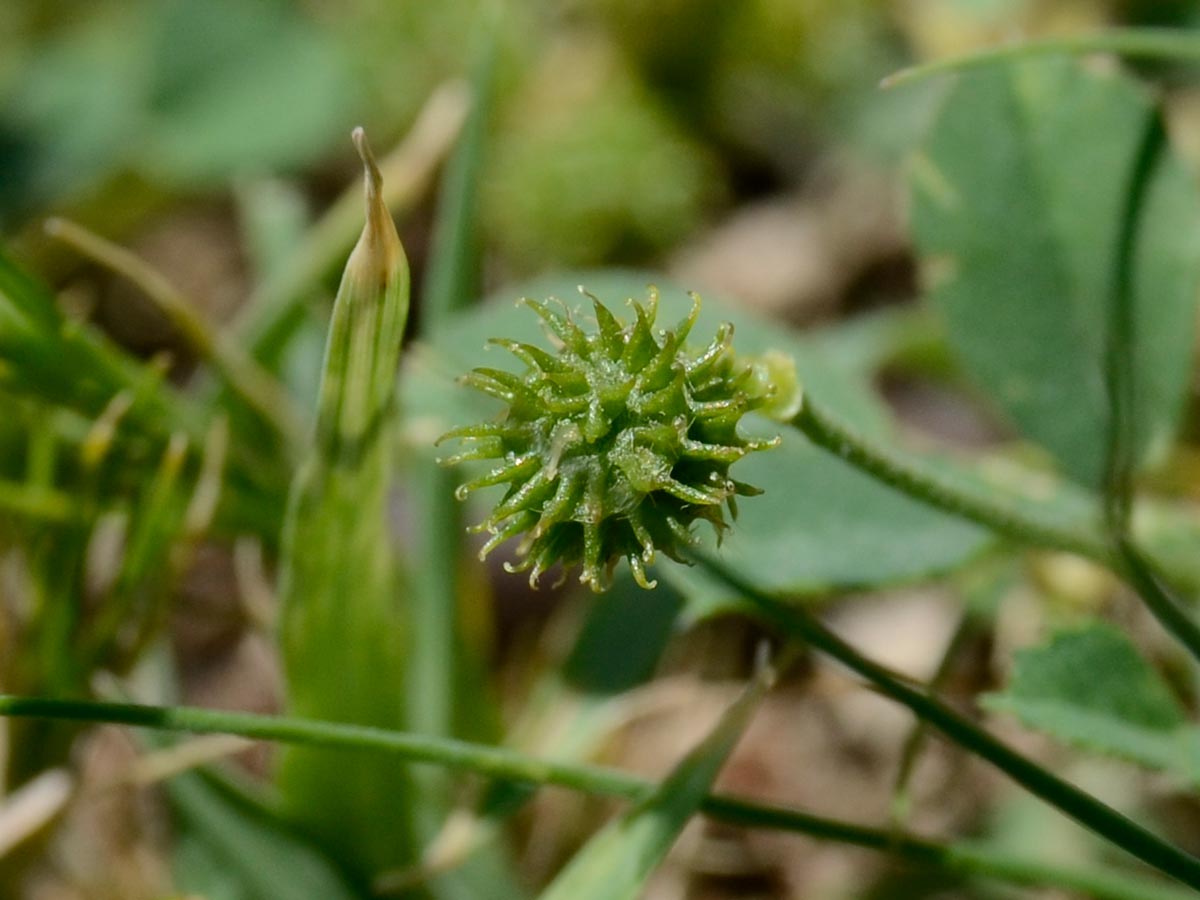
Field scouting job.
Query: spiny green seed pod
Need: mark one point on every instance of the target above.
(615, 445)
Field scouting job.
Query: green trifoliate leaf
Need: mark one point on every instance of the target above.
(1090, 687)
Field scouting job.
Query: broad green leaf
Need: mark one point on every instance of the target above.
(241, 87)
(615, 864)
(1090, 687)
(70, 111)
(187, 93)
(820, 523)
(343, 637)
(228, 850)
(1019, 195)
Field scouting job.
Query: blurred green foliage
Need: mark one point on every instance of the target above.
(588, 166)
(613, 116)
(184, 94)
(615, 132)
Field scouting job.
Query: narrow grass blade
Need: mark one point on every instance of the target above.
(616, 863)
(65, 363)
(36, 503)
(77, 371)
(447, 683)
(455, 258)
(246, 848)
(134, 606)
(246, 378)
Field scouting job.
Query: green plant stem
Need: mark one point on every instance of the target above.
(1120, 375)
(966, 857)
(927, 486)
(1068, 799)
(1096, 883)
(1139, 573)
(1120, 361)
(1133, 43)
(1004, 518)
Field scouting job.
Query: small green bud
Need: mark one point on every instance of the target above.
(614, 445)
(776, 382)
(363, 349)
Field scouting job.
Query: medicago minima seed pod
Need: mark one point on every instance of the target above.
(614, 445)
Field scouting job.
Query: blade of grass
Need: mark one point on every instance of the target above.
(41, 504)
(41, 455)
(501, 763)
(29, 299)
(66, 363)
(453, 277)
(615, 863)
(157, 522)
(256, 387)
(79, 372)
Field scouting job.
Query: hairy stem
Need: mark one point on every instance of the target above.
(1004, 517)
(922, 483)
